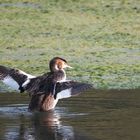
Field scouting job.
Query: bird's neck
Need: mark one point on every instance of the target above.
(61, 74)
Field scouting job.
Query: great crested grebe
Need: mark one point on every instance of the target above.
(44, 90)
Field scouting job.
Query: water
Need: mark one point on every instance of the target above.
(98, 115)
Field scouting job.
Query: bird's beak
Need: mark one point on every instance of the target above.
(67, 66)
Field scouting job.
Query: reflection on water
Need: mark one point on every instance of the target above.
(51, 128)
(30, 126)
(98, 115)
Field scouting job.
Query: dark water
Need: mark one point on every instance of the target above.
(98, 115)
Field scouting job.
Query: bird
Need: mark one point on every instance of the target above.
(44, 90)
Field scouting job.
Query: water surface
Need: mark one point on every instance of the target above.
(97, 115)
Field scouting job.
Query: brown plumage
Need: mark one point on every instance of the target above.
(44, 90)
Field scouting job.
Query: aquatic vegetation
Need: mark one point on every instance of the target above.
(100, 39)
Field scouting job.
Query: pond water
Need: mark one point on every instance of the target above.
(97, 115)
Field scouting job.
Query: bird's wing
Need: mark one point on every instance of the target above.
(14, 78)
(70, 88)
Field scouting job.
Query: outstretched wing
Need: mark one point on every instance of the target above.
(13, 77)
(43, 101)
(70, 88)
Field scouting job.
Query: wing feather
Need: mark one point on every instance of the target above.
(14, 78)
(71, 88)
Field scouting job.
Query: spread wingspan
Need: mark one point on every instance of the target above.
(13, 77)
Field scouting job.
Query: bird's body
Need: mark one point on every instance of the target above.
(44, 90)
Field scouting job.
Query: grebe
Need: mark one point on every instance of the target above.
(44, 90)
